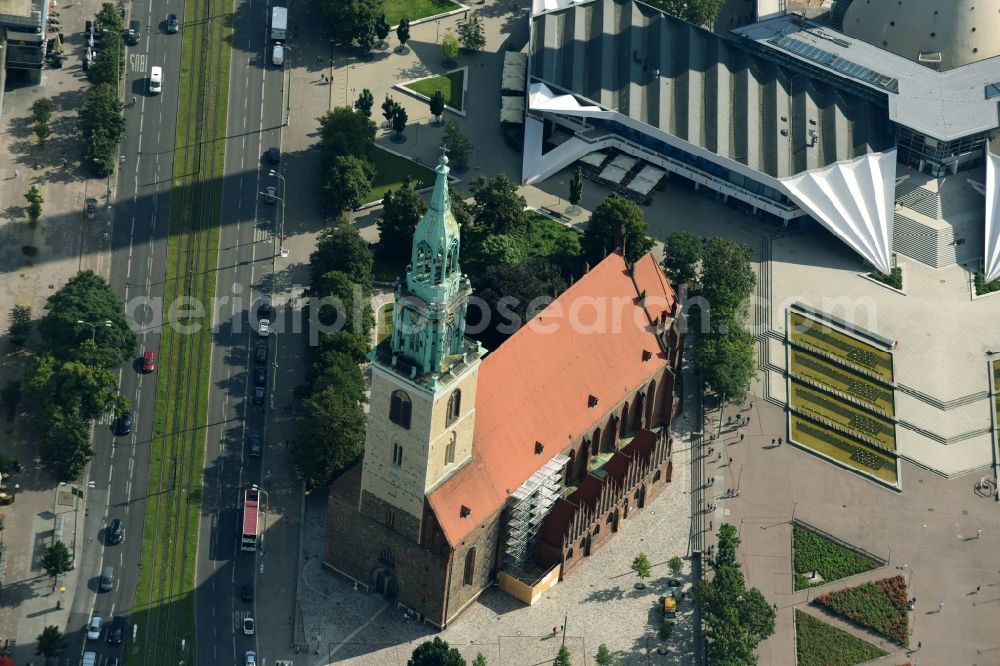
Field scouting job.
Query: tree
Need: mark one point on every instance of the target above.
(20, 325)
(666, 630)
(642, 568)
(42, 131)
(401, 210)
(515, 294)
(50, 643)
(365, 102)
(108, 68)
(680, 256)
(345, 132)
(726, 361)
(348, 183)
(449, 47)
(616, 224)
(471, 34)
(458, 146)
(102, 123)
(348, 20)
(399, 119)
(435, 652)
(480, 660)
(35, 202)
(382, 28)
(563, 657)
(331, 437)
(338, 291)
(56, 561)
(576, 187)
(675, 564)
(727, 278)
(499, 207)
(10, 398)
(389, 107)
(82, 388)
(65, 442)
(436, 104)
(341, 248)
(603, 656)
(366, 39)
(41, 111)
(403, 32)
(87, 297)
(339, 371)
(502, 249)
(698, 12)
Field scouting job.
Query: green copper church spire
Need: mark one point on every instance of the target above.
(429, 318)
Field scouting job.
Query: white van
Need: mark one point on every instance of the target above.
(278, 55)
(155, 80)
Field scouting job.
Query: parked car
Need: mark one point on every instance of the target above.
(90, 207)
(265, 305)
(262, 352)
(258, 395)
(251, 658)
(246, 592)
(116, 631)
(133, 33)
(123, 424)
(264, 328)
(259, 377)
(173, 24)
(248, 626)
(273, 155)
(148, 362)
(256, 446)
(116, 532)
(94, 628)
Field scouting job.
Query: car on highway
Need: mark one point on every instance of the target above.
(148, 362)
(270, 194)
(273, 155)
(90, 207)
(246, 592)
(116, 533)
(264, 329)
(133, 33)
(173, 24)
(265, 306)
(258, 395)
(259, 377)
(94, 628)
(256, 446)
(262, 353)
(251, 658)
(116, 631)
(248, 626)
(123, 424)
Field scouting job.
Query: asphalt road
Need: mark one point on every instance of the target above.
(141, 217)
(246, 250)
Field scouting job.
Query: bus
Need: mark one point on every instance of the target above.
(251, 503)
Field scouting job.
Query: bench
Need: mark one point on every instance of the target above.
(552, 212)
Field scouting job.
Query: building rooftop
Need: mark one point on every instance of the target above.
(945, 105)
(536, 387)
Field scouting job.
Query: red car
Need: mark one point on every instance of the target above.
(148, 362)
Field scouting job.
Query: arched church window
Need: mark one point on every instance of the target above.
(397, 454)
(400, 409)
(424, 254)
(449, 451)
(454, 406)
(439, 267)
(470, 566)
(453, 257)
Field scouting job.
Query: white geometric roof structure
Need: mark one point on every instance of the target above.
(542, 98)
(991, 266)
(855, 200)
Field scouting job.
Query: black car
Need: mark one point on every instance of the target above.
(173, 23)
(133, 32)
(246, 592)
(123, 424)
(262, 353)
(116, 631)
(258, 395)
(256, 446)
(116, 533)
(273, 155)
(260, 377)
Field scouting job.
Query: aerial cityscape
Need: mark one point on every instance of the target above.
(507, 332)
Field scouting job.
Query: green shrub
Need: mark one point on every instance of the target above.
(831, 560)
(878, 605)
(983, 287)
(893, 279)
(819, 644)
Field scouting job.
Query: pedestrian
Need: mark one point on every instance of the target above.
(775, 606)
(772, 441)
(920, 644)
(730, 461)
(940, 606)
(554, 631)
(720, 457)
(978, 587)
(741, 436)
(747, 421)
(979, 533)
(779, 441)
(710, 526)
(711, 450)
(15, 173)
(728, 418)
(751, 405)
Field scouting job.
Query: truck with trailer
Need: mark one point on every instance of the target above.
(251, 508)
(279, 23)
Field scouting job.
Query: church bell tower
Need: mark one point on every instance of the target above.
(423, 393)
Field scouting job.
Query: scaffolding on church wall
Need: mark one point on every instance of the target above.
(529, 505)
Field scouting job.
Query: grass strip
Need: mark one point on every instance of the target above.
(415, 9)
(165, 613)
(820, 644)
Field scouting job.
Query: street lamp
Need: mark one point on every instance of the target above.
(281, 233)
(93, 326)
(288, 101)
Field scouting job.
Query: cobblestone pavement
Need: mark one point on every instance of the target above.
(599, 599)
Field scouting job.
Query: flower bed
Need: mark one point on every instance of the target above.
(832, 561)
(819, 644)
(879, 605)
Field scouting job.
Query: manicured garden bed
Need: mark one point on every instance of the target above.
(830, 560)
(894, 278)
(415, 9)
(879, 605)
(819, 644)
(452, 85)
(391, 170)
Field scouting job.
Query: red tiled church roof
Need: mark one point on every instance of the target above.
(536, 386)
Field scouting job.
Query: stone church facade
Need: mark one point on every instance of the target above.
(477, 465)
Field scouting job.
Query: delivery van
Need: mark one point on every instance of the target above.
(155, 80)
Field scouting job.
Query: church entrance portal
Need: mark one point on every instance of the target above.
(384, 582)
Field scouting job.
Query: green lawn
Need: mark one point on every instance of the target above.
(414, 9)
(391, 170)
(831, 560)
(820, 644)
(451, 84)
